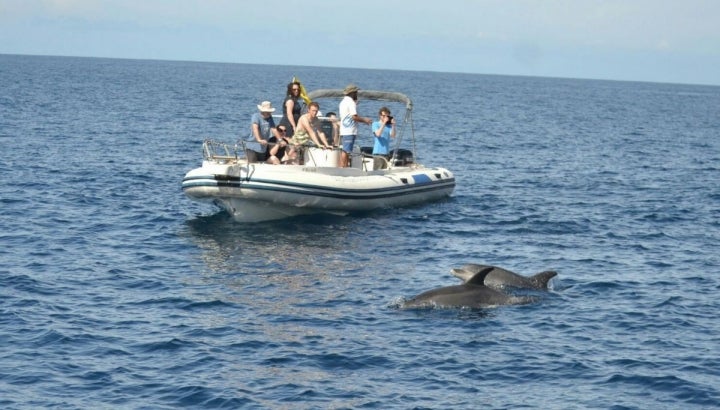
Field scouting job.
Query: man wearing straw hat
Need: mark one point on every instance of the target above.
(262, 128)
(348, 122)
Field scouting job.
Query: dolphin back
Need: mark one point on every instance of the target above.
(465, 296)
(500, 278)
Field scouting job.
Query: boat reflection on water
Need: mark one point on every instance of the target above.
(311, 245)
(277, 288)
(314, 259)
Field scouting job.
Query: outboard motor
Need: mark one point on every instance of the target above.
(404, 157)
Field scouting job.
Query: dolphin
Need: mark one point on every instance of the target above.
(471, 294)
(500, 278)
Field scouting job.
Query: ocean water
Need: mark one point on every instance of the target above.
(118, 292)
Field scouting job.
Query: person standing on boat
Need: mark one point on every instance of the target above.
(383, 129)
(307, 130)
(291, 108)
(262, 127)
(348, 122)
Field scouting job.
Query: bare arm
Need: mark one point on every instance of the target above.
(378, 132)
(364, 120)
(316, 137)
(256, 134)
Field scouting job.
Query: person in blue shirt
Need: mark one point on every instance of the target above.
(383, 129)
(262, 128)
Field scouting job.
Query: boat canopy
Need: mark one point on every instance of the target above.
(364, 94)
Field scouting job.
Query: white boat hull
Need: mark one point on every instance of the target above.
(260, 192)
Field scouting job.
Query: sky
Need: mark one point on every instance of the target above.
(668, 41)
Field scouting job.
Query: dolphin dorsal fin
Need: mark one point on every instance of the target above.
(541, 279)
(479, 278)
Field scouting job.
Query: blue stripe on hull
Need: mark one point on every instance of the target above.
(314, 190)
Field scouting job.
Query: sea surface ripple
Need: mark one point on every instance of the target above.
(116, 291)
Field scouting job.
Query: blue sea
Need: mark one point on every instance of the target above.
(118, 292)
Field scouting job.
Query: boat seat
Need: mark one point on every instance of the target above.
(380, 162)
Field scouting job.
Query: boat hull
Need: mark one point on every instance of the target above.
(261, 192)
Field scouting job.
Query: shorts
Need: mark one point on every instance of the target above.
(348, 141)
(300, 139)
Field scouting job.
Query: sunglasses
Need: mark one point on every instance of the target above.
(281, 129)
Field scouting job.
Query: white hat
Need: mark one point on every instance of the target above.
(266, 106)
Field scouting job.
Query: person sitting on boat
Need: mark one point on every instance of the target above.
(262, 127)
(383, 129)
(348, 122)
(278, 147)
(307, 130)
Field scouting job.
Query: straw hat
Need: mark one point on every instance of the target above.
(266, 106)
(351, 88)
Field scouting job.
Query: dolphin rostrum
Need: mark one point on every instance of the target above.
(500, 278)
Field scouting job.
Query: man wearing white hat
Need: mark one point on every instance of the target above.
(348, 122)
(262, 128)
